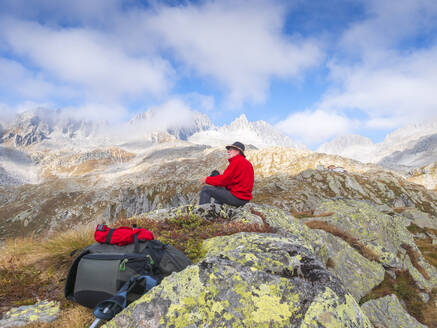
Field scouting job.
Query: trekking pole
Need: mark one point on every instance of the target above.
(96, 323)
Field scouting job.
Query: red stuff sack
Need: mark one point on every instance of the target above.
(121, 236)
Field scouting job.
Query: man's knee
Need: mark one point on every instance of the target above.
(207, 189)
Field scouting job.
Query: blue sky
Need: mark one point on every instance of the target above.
(314, 69)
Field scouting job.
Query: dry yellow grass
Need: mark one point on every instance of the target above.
(58, 248)
(75, 316)
(35, 268)
(414, 257)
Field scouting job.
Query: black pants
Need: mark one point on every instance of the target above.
(221, 196)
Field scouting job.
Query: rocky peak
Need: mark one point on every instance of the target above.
(412, 132)
(240, 122)
(36, 125)
(28, 128)
(156, 121)
(258, 133)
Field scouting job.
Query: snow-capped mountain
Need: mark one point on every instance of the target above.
(422, 153)
(182, 124)
(35, 126)
(259, 134)
(352, 146)
(412, 146)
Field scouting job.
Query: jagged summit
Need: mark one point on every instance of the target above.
(35, 126)
(189, 122)
(258, 133)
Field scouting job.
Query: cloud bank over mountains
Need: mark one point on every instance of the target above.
(114, 58)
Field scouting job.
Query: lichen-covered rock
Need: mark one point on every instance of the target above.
(44, 311)
(207, 211)
(423, 220)
(383, 234)
(388, 312)
(358, 274)
(285, 287)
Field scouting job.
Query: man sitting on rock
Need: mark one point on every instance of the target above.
(234, 186)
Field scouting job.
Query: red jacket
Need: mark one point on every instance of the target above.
(237, 178)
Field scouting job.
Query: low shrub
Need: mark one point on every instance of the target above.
(405, 288)
(347, 237)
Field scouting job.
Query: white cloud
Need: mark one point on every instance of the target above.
(87, 59)
(390, 80)
(98, 112)
(199, 101)
(313, 127)
(18, 80)
(240, 46)
(388, 23)
(6, 114)
(399, 88)
(171, 114)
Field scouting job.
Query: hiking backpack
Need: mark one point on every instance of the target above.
(101, 270)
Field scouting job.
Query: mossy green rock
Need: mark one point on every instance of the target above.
(358, 274)
(208, 212)
(388, 312)
(44, 311)
(287, 287)
(382, 233)
(422, 219)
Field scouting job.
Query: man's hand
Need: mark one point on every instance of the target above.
(203, 180)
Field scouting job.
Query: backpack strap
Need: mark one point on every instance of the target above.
(109, 236)
(137, 242)
(155, 249)
(107, 309)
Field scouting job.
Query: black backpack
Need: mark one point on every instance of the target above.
(101, 270)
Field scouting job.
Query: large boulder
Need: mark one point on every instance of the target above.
(266, 281)
(388, 312)
(386, 235)
(358, 274)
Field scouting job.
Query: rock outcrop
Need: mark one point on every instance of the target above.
(388, 312)
(298, 276)
(248, 280)
(42, 312)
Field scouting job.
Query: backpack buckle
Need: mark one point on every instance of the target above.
(101, 227)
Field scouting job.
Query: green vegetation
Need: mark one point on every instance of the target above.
(35, 268)
(407, 291)
(187, 233)
(427, 248)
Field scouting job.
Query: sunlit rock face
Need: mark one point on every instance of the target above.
(248, 280)
(425, 176)
(294, 277)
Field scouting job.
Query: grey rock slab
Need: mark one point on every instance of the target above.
(256, 280)
(388, 312)
(45, 311)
